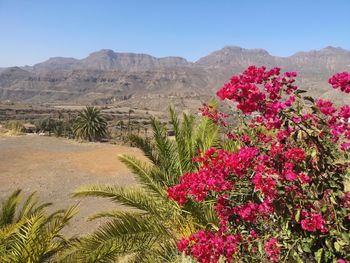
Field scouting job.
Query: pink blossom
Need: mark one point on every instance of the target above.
(326, 107)
(272, 249)
(313, 222)
(341, 80)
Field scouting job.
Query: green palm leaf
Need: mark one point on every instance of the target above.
(34, 236)
(148, 232)
(127, 234)
(148, 176)
(90, 125)
(8, 209)
(132, 197)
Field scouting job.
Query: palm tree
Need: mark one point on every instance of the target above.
(148, 232)
(27, 234)
(90, 125)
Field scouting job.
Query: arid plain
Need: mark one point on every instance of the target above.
(54, 167)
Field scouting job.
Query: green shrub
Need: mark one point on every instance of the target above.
(90, 125)
(14, 126)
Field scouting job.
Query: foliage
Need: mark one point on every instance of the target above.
(27, 234)
(45, 124)
(59, 127)
(148, 232)
(279, 188)
(90, 125)
(15, 127)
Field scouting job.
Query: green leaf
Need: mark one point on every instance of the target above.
(300, 249)
(346, 236)
(337, 246)
(297, 216)
(260, 248)
(296, 256)
(306, 247)
(313, 153)
(333, 200)
(318, 255)
(324, 209)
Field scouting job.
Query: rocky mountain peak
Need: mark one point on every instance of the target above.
(107, 59)
(103, 53)
(327, 51)
(233, 56)
(237, 49)
(334, 49)
(14, 71)
(140, 79)
(54, 64)
(13, 74)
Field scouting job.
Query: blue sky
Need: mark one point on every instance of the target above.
(34, 30)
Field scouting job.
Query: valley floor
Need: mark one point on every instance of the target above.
(54, 167)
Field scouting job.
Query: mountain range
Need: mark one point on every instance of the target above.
(144, 81)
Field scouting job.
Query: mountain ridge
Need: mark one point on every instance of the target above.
(227, 47)
(128, 79)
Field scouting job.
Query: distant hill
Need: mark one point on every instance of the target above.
(144, 81)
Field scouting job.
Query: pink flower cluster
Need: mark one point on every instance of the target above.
(218, 166)
(326, 107)
(209, 247)
(341, 80)
(313, 222)
(275, 172)
(251, 211)
(260, 90)
(338, 121)
(214, 114)
(272, 249)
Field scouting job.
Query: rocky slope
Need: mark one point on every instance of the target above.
(140, 80)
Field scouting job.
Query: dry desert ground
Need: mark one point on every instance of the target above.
(54, 167)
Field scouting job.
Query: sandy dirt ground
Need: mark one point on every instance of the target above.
(54, 167)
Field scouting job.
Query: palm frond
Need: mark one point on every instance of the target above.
(148, 232)
(22, 247)
(113, 214)
(118, 238)
(165, 148)
(206, 135)
(31, 206)
(133, 197)
(146, 146)
(182, 153)
(203, 214)
(10, 229)
(158, 253)
(34, 237)
(90, 124)
(8, 208)
(146, 174)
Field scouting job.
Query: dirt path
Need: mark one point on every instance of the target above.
(54, 167)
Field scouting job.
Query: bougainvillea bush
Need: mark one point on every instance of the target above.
(279, 185)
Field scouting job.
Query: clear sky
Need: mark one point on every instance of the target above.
(31, 31)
